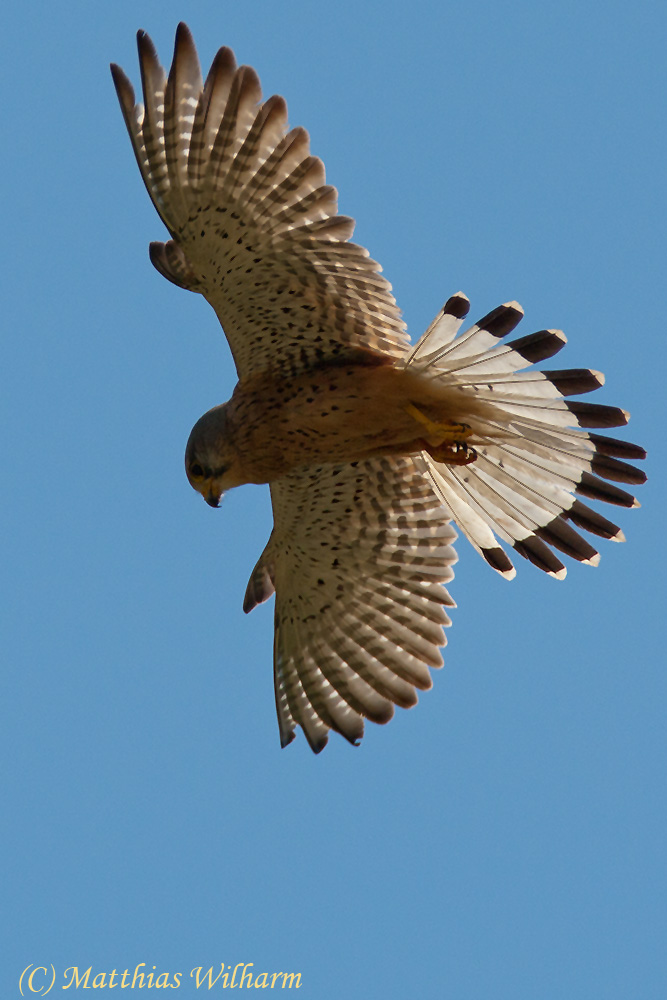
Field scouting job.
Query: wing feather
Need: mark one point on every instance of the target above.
(254, 223)
(359, 596)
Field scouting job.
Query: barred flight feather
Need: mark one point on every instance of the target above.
(372, 644)
(252, 215)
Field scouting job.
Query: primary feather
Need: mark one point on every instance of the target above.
(254, 225)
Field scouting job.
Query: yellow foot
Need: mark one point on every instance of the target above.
(454, 453)
(440, 432)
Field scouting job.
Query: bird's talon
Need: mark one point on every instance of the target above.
(456, 453)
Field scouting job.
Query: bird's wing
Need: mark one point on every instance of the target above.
(253, 224)
(358, 558)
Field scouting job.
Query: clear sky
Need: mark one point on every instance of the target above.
(504, 839)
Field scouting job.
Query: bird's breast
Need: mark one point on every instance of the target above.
(337, 413)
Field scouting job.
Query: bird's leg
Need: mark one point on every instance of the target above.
(446, 441)
(439, 431)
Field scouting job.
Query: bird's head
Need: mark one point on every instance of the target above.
(211, 464)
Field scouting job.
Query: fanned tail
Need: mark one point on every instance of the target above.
(535, 455)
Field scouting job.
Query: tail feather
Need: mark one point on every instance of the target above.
(486, 333)
(534, 453)
(590, 520)
(538, 346)
(441, 332)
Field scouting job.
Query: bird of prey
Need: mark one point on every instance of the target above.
(372, 447)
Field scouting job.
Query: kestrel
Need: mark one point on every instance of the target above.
(371, 447)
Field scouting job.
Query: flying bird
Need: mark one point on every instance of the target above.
(372, 447)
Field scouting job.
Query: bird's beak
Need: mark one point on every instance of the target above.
(213, 499)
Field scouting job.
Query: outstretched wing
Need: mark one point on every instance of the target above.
(253, 224)
(358, 558)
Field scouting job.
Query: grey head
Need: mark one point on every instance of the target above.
(211, 464)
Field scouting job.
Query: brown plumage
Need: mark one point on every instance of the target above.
(371, 447)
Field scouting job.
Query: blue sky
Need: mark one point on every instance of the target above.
(505, 839)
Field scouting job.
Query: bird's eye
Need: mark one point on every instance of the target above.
(197, 471)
